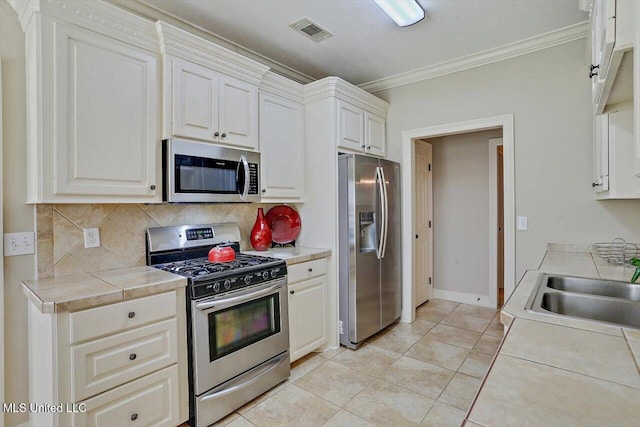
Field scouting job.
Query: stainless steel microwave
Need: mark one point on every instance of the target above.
(197, 172)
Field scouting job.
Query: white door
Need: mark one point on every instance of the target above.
(307, 308)
(108, 135)
(375, 135)
(281, 148)
(195, 101)
(423, 217)
(350, 127)
(238, 113)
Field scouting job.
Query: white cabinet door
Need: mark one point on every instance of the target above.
(375, 135)
(148, 401)
(307, 318)
(195, 101)
(350, 127)
(601, 153)
(603, 37)
(106, 111)
(238, 113)
(281, 148)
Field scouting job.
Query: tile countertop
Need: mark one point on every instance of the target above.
(559, 371)
(82, 291)
(293, 255)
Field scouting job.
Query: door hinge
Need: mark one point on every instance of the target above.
(429, 280)
(429, 224)
(429, 167)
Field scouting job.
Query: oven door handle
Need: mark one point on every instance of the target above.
(241, 381)
(223, 302)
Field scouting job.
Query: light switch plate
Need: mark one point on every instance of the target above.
(19, 243)
(522, 223)
(92, 237)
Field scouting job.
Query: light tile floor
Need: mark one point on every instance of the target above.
(421, 374)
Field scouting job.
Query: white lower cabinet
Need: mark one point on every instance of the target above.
(307, 307)
(149, 401)
(122, 364)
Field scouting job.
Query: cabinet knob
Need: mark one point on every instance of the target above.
(134, 417)
(309, 270)
(264, 190)
(416, 236)
(132, 314)
(216, 134)
(133, 356)
(292, 292)
(152, 187)
(595, 184)
(368, 147)
(224, 135)
(593, 70)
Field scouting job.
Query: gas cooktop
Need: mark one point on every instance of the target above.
(202, 268)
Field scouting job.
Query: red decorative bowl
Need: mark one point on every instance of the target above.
(222, 254)
(285, 224)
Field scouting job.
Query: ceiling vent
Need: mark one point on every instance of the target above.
(310, 29)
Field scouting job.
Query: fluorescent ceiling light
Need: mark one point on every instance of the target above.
(404, 12)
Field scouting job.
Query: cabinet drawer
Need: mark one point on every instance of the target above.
(306, 270)
(110, 319)
(108, 362)
(151, 400)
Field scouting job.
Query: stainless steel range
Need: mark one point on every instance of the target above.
(237, 317)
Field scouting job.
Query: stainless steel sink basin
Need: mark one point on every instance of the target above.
(610, 310)
(606, 301)
(605, 288)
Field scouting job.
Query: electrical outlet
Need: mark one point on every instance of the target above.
(340, 328)
(19, 243)
(92, 237)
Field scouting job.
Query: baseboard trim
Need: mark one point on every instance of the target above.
(463, 297)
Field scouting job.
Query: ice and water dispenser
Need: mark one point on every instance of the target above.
(367, 228)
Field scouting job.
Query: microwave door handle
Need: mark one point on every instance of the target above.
(247, 178)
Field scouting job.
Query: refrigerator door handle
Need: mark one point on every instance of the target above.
(381, 193)
(385, 211)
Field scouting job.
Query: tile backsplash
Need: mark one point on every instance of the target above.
(60, 237)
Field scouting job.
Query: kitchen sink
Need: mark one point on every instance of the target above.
(606, 301)
(605, 288)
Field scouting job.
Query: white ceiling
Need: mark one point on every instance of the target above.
(367, 45)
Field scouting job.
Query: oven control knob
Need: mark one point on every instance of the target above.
(274, 273)
(265, 275)
(227, 284)
(247, 279)
(216, 287)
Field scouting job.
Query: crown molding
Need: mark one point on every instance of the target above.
(276, 84)
(335, 87)
(179, 43)
(512, 50)
(91, 15)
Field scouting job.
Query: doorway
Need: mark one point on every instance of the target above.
(496, 227)
(409, 139)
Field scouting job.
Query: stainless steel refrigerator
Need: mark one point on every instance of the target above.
(370, 296)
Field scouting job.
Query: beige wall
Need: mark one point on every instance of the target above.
(460, 168)
(17, 215)
(549, 94)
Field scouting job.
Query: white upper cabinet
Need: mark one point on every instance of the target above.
(281, 149)
(375, 135)
(350, 126)
(212, 107)
(93, 94)
(612, 32)
(210, 93)
(360, 130)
